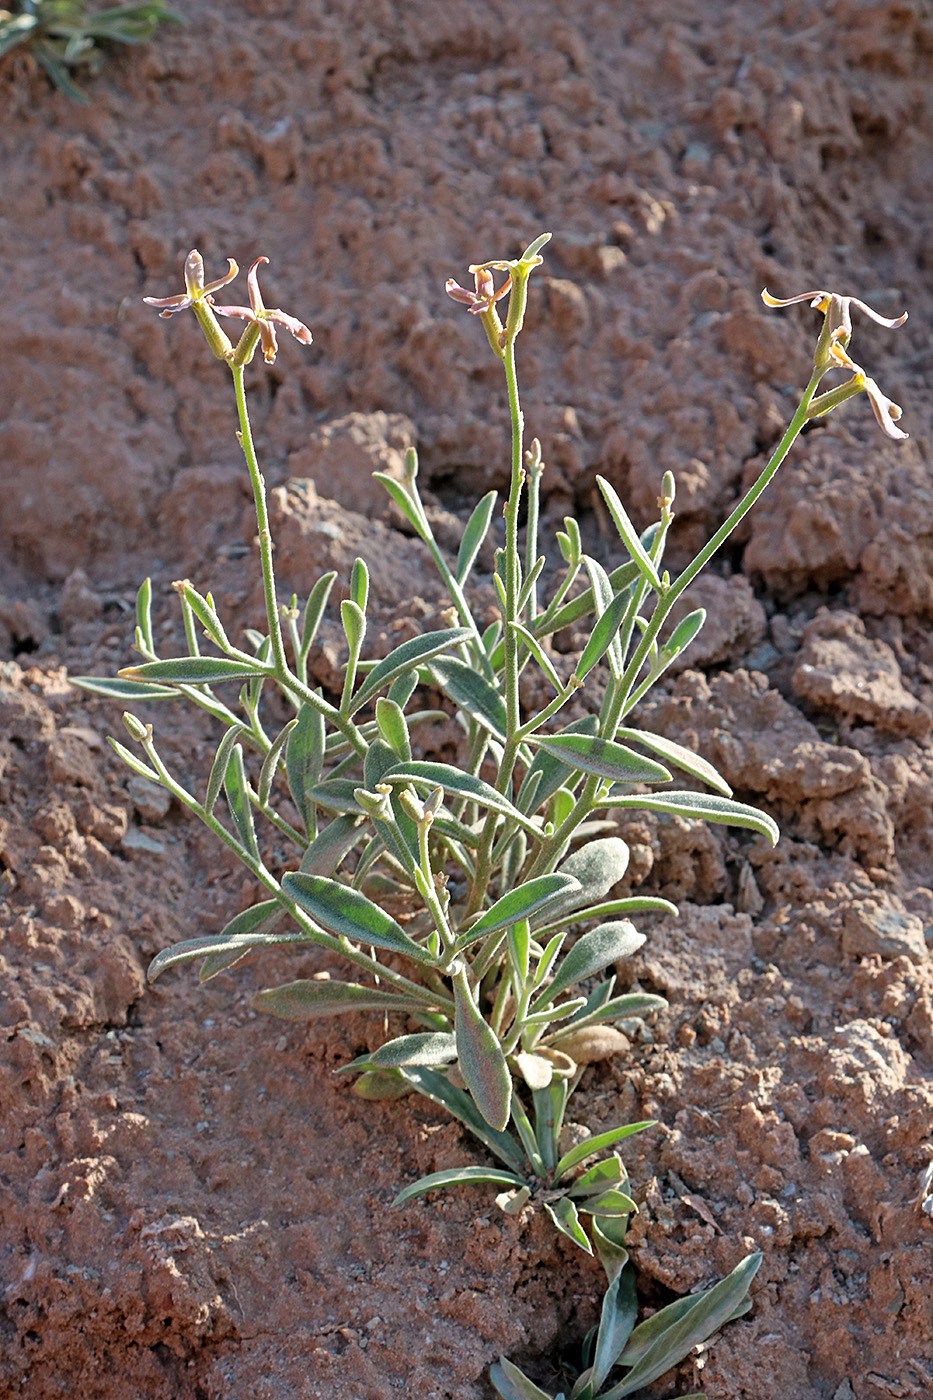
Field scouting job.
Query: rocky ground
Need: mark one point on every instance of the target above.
(191, 1205)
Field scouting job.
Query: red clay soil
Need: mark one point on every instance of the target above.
(191, 1205)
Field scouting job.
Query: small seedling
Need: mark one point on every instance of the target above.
(500, 867)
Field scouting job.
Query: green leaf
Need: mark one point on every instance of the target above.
(133, 762)
(423, 1048)
(669, 1335)
(415, 652)
(458, 1176)
(258, 921)
(599, 1177)
(513, 1384)
(473, 535)
(683, 758)
(354, 625)
(304, 760)
(402, 688)
(591, 953)
(605, 637)
(585, 1149)
(628, 533)
(115, 689)
(359, 584)
(335, 795)
(391, 721)
(602, 757)
(563, 1212)
(609, 1203)
(218, 773)
(436, 1087)
(615, 1009)
(410, 509)
(314, 610)
(685, 631)
(379, 759)
(521, 903)
(271, 762)
(195, 670)
(304, 1000)
(431, 775)
(330, 846)
(553, 773)
(596, 866)
(480, 1057)
(701, 805)
(346, 912)
(241, 809)
(539, 654)
(472, 693)
(608, 1235)
(617, 1318)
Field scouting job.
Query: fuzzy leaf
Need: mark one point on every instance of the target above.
(521, 903)
(683, 758)
(410, 654)
(513, 1384)
(617, 1318)
(596, 866)
(115, 689)
(585, 1149)
(195, 670)
(409, 508)
(472, 693)
(628, 533)
(591, 754)
(604, 637)
(304, 1000)
(431, 775)
(346, 912)
(704, 806)
(314, 609)
(132, 761)
(591, 953)
(330, 846)
(304, 760)
(241, 809)
(270, 763)
(480, 1058)
(255, 923)
(393, 728)
(473, 535)
(436, 1087)
(547, 773)
(423, 1048)
(563, 1212)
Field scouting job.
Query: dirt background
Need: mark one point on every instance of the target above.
(191, 1206)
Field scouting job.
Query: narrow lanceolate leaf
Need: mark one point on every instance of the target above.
(237, 948)
(144, 613)
(473, 536)
(628, 532)
(304, 759)
(115, 689)
(379, 759)
(610, 1203)
(683, 758)
(480, 1058)
(702, 805)
(605, 637)
(617, 1318)
(195, 670)
(346, 912)
(458, 1176)
(410, 509)
(132, 761)
(539, 654)
(271, 762)
(410, 654)
(423, 1048)
(591, 953)
(304, 1000)
(606, 759)
(472, 692)
(579, 1154)
(546, 773)
(563, 1212)
(520, 903)
(241, 809)
(330, 846)
(614, 1009)
(685, 631)
(218, 773)
(257, 921)
(436, 1087)
(513, 1384)
(314, 610)
(425, 776)
(669, 1335)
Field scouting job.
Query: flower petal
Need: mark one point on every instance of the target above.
(881, 320)
(255, 295)
(222, 281)
(291, 323)
(884, 410)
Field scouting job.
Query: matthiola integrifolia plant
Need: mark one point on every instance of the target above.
(497, 969)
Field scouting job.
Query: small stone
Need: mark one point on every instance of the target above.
(151, 801)
(871, 928)
(137, 840)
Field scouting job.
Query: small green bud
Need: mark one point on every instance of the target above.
(142, 733)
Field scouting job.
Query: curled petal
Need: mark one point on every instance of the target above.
(298, 329)
(242, 313)
(255, 296)
(885, 411)
(458, 293)
(228, 276)
(881, 320)
(814, 298)
(171, 304)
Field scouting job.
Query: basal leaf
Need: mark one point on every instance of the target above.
(617, 1318)
(591, 953)
(585, 1149)
(304, 1000)
(521, 903)
(423, 1048)
(563, 1213)
(513, 1384)
(458, 1176)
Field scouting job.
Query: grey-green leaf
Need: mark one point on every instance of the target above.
(195, 670)
(596, 866)
(546, 773)
(538, 894)
(423, 1048)
(513, 1384)
(563, 1212)
(458, 1176)
(392, 726)
(683, 758)
(606, 759)
(330, 846)
(703, 806)
(410, 654)
(115, 689)
(591, 953)
(628, 533)
(472, 692)
(241, 809)
(617, 1318)
(304, 1000)
(259, 920)
(480, 1058)
(436, 1087)
(346, 912)
(431, 775)
(473, 535)
(604, 637)
(304, 759)
(585, 1149)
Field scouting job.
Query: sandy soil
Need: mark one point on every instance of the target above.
(191, 1205)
